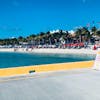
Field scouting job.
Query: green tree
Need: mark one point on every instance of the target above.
(94, 30)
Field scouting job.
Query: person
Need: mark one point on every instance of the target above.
(94, 48)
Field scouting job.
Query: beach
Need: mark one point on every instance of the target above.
(65, 51)
(51, 50)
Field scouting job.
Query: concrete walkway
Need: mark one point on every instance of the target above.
(83, 84)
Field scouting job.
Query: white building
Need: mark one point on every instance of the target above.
(57, 31)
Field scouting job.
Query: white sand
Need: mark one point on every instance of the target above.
(6, 49)
(66, 51)
(49, 50)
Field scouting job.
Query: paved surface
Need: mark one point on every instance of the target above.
(81, 84)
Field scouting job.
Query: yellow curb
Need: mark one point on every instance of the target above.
(98, 52)
(45, 68)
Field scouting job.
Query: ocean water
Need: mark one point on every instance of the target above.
(8, 60)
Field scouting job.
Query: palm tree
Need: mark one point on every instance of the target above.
(83, 34)
(20, 39)
(98, 33)
(86, 36)
(78, 34)
(14, 41)
(31, 38)
(42, 35)
(93, 30)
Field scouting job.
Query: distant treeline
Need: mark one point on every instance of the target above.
(82, 34)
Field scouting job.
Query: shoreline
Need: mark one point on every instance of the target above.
(51, 51)
(6, 72)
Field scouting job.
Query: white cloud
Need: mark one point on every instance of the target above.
(71, 32)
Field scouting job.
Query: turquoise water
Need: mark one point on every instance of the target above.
(24, 59)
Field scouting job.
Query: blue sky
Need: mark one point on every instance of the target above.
(25, 17)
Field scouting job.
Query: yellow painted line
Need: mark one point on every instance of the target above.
(98, 52)
(44, 68)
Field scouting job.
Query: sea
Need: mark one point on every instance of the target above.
(8, 60)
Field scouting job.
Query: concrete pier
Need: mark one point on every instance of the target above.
(77, 84)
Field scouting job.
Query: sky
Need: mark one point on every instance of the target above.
(25, 17)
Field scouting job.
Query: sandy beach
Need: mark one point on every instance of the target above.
(51, 50)
(65, 51)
